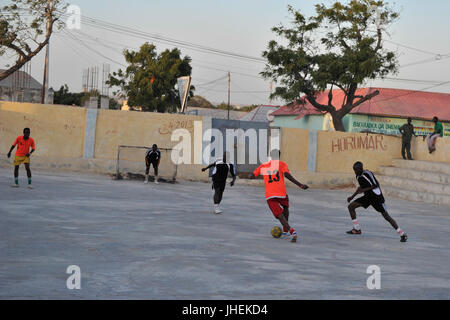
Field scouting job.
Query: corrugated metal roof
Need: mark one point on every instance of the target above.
(20, 77)
(216, 113)
(390, 102)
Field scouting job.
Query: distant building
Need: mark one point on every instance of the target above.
(215, 113)
(384, 113)
(261, 113)
(22, 87)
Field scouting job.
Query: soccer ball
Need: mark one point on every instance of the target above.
(276, 232)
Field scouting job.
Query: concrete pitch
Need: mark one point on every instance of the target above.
(135, 241)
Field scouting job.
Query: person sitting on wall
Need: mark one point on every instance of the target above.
(407, 131)
(438, 132)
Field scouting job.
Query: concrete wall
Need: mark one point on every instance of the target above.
(335, 152)
(310, 122)
(79, 139)
(58, 131)
(294, 148)
(73, 138)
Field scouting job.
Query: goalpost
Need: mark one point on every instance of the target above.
(131, 163)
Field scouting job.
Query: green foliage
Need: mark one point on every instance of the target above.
(199, 102)
(249, 108)
(26, 27)
(150, 79)
(64, 97)
(340, 47)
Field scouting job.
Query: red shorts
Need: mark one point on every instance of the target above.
(277, 205)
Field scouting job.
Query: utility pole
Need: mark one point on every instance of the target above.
(229, 90)
(47, 49)
(45, 82)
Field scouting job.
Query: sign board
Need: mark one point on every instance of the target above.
(184, 83)
(390, 126)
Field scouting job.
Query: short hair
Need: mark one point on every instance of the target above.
(275, 154)
(435, 119)
(26, 129)
(154, 146)
(358, 164)
(409, 119)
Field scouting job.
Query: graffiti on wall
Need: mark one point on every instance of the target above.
(368, 142)
(169, 127)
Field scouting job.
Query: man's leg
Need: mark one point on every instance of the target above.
(218, 194)
(27, 167)
(16, 176)
(286, 216)
(352, 210)
(219, 188)
(382, 209)
(155, 168)
(403, 149)
(286, 226)
(408, 150)
(433, 142)
(147, 171)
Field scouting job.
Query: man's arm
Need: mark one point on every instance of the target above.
(233, 175)
(294, 181)
(10, 150)
(208, 167)
(29, 154)
(361, 190)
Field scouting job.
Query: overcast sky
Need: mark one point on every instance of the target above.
(239, 26)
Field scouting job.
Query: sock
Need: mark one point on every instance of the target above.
(29, 181)
(356, 225)
(400, 232)
(285, 230)
(292, 232)
(16, 180)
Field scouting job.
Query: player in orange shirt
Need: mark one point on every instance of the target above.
(23, 143)
(274, 173)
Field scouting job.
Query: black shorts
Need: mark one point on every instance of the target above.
(219, 185)
(154, 164)
(377, 203)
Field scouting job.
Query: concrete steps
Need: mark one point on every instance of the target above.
(415, 196)
(429, 176)
(420, 181)
(438, 167)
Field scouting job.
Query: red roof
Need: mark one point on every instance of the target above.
(390, 102)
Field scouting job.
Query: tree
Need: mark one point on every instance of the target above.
(349, 52)
(25, 29)
(63, 96)
(150, 79)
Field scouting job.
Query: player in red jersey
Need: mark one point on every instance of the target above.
(23, 153)
(274, 173)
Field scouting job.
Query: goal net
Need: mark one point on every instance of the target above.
(130, 164)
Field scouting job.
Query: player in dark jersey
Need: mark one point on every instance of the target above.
(220, 172)
(152, 157)
(373, 196)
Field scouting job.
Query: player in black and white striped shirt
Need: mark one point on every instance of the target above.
(373, 196)
(152, 157)
(221, 169)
